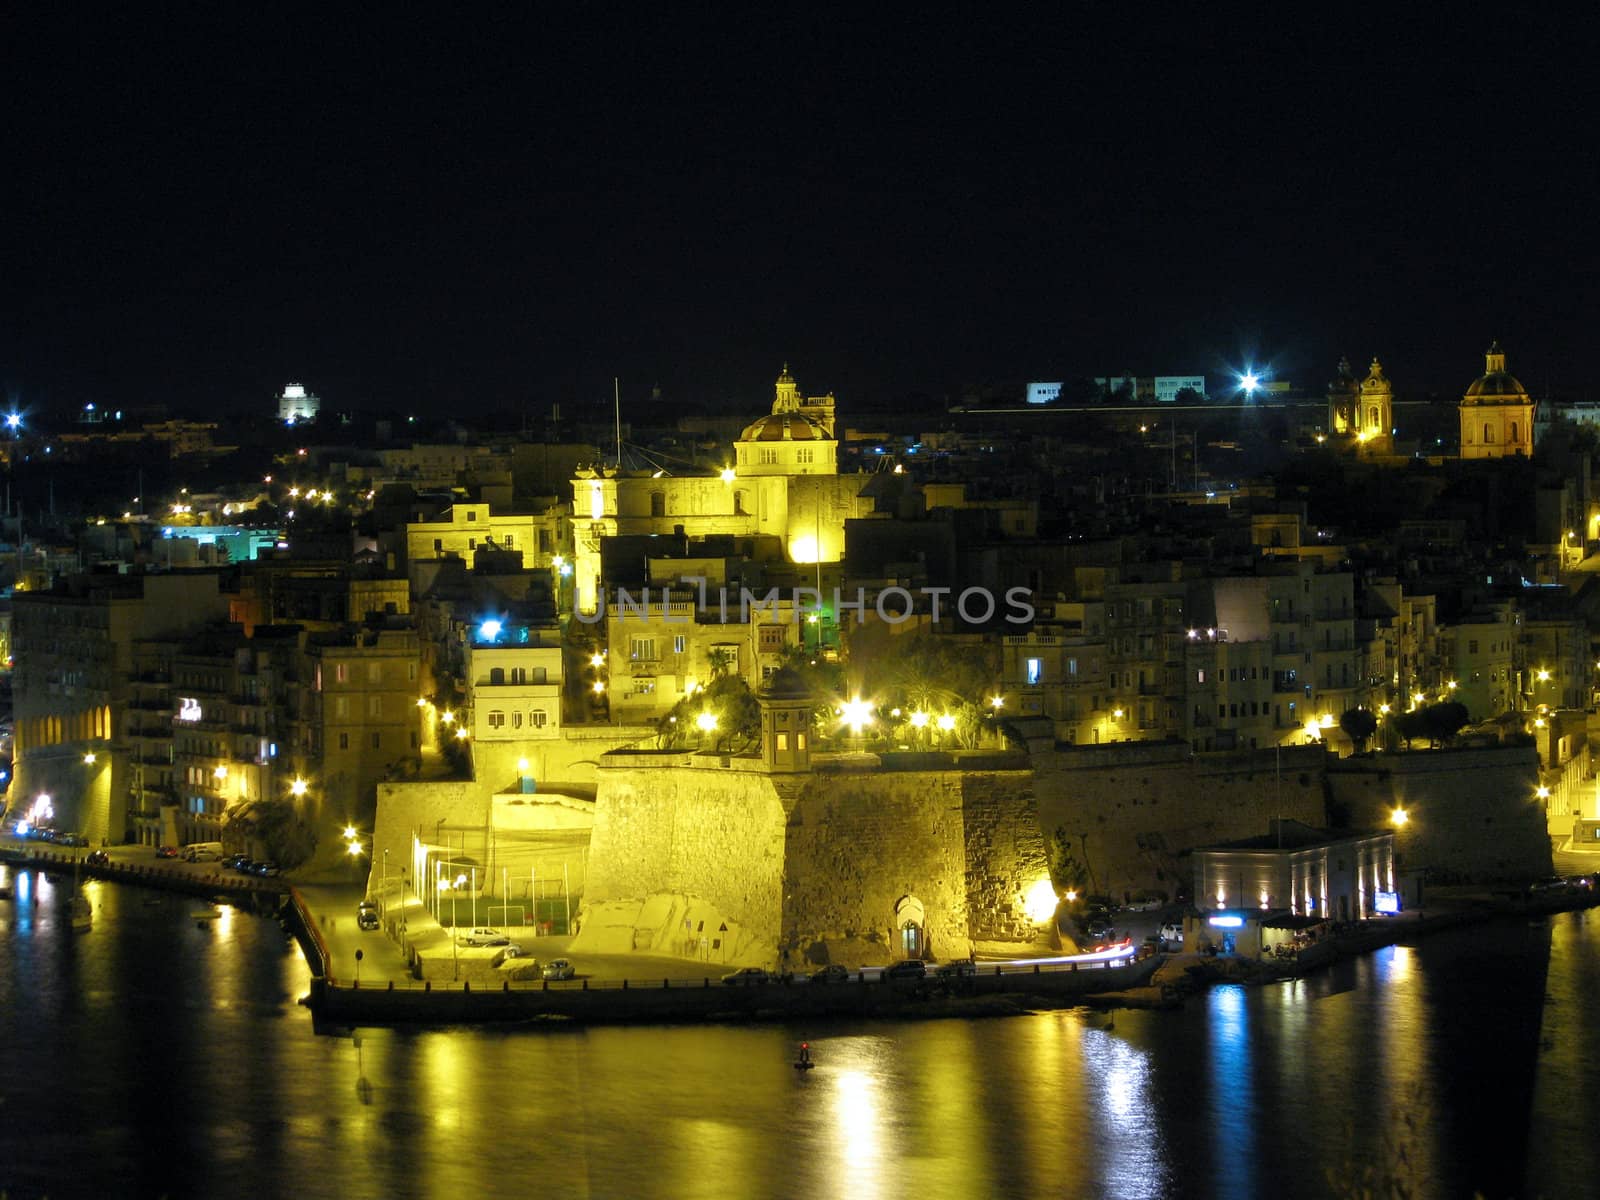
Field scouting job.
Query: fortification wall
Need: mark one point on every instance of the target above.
(1474, 814)
(868, 851)
(1005, 855)
(685, 860)
(1143, 806)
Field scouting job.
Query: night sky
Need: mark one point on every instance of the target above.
(462, 212)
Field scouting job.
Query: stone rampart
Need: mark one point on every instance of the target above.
(1143, 805)
(1473, 815)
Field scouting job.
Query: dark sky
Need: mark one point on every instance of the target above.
(460, 211)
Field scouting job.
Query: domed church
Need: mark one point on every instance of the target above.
(1496, 413)
(784, 482)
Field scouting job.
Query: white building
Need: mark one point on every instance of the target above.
(296, 404)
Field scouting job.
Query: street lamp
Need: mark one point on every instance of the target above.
(1399, 817)
(298, 787)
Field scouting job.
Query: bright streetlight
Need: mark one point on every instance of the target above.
(1399, 817)
(298, 787)
(706, 721)
(856, 713)
(946, 723)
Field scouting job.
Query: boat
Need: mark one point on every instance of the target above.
(79, 911)
(204, 914)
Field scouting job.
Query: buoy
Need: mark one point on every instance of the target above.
(803, 1061)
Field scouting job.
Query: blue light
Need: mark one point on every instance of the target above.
(1387, 902)
(489, 630)
(1226, 922)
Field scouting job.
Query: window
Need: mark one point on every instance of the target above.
(642, 650)
(658, 504)
(519, 674)
(537, 718)
(497, 719)
(740, 500)
(1072, 666)
(678, 643)
(471, 516)
(799, 741)
(1200, 675)
(643, 687)
(516, 719)
(770, 638)
(374, 706)
(497, 675)
(374, 672)
(341, 672)
(1472, 647)
(803, 455)
(377, 741)
(1035, 670)
(769, 457)
(783, 741)
(341, 706)
(344, 741)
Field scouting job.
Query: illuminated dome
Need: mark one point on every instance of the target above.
(783, 427)
(1496, 384)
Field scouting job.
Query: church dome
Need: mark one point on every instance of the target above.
(783, 427)
(1496, 383)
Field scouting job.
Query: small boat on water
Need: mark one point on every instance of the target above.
(204, 914)
(81, 914)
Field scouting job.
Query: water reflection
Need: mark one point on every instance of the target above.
(1233, 1095)
(179, 1063)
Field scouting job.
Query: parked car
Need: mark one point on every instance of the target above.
(1097, 928)
(908, 968)
(482, 937)
(166, 852)
(513, 950)
(961, 968)
(1172, 931)
(98, 858)
(74, 839)
(747, 977)
(558, 968)
(367, 915)
(832, 973)
(235, 862)
(265, 868)
(200, 854)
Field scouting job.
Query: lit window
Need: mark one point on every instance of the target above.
(1035, 670)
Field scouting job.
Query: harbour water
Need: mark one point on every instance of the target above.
(164, 1056)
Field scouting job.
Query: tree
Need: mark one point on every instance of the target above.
(1359, 725)
(1441, 722)
(1066, 872)
(727, 698)
(277, 826)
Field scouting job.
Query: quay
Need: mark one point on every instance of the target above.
(412, 971)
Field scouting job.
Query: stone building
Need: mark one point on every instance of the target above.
(75, 656)
(789, 859)
(1362, 412)
(1496, 413)
(1305, 871)
(783, 483)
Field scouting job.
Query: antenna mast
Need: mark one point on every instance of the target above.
(616, 398)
